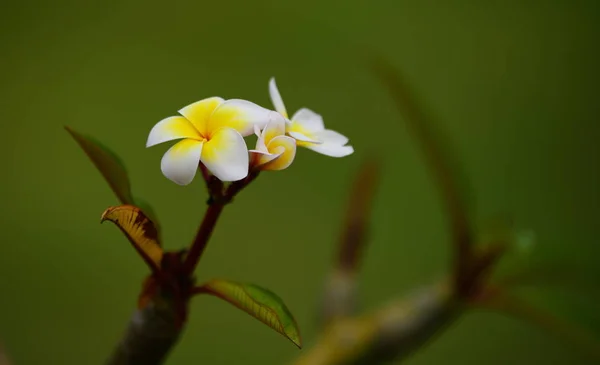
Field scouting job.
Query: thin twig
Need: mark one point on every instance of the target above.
(358, 211)
(496, 299)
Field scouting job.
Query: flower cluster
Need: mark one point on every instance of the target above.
(211, 131)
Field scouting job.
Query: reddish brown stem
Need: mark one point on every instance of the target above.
(204, 232)
(237, 186)
(205, 174)
(216, 203)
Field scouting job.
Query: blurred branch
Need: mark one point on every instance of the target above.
(437, 160)
(397, 330)
(4, 360)
(499, 301)
(339, 294)
(392, 332)
(358, 213)
(550, 275)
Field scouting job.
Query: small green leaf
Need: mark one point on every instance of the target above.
(112, 168)
(109, 165)
(260, 303)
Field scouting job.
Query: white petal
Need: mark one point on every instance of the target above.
(180, 162)
(276, 98)
(261, 146)
(261, 158)
(332, 150)
(171, 128)
(329, 136)
(301, 137)
(226, 155)
(308, 120)
(260, 152)
(241, 115)
(257, 130)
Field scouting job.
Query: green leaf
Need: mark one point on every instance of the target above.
(109, 165)
(260, 303)
(113, 169)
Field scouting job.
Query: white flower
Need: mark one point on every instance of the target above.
(212, 131)
(308, 129)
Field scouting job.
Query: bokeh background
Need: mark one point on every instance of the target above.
(513, 86)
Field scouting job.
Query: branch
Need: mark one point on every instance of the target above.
(556, 275)
(4, 360)
(358, 211)
(151, 334)
(499, 301)
(393, 332)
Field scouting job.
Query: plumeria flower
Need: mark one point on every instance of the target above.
(274, 150)
(212, 131)
(308, 129)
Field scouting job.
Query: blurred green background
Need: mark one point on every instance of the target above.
(514, 88)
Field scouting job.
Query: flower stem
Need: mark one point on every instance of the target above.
(218, 198)
(204, 232)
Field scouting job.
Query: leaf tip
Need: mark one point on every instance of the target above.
(71, 131)
(104, 217)
(296, 340)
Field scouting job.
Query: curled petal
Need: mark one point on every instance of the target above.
(261, 147)
(199, 112)
(308, 120)
(226, 155)
(180, 162)
(285, 147)
(240, 115)
(171, 128)
(275, 127)
(260, 154)
(259, 158)
(276, 98)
